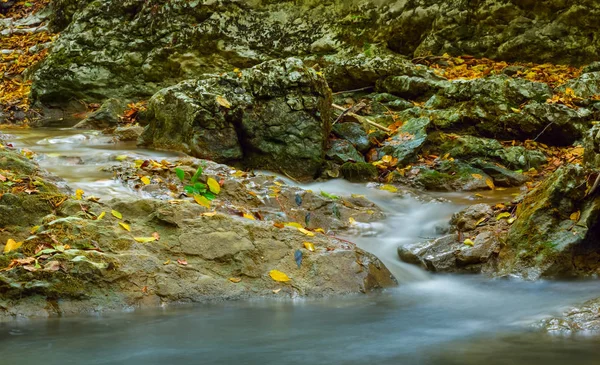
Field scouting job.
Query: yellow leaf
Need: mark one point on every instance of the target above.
(511, 220)
(306, 232)
(387, 158)
(138, 163)
(145, 180)
(235, 280)
(490, 184)
(34, 229)
(116, 214)
(213, 185)
(294, 224)
(125, 226)
(167, 262)
(144, 239)
(352, 221)
(502, 216)
(320, 230)
(390, 188)
(309, 246)
(468, 242)
(480, 221)
(477, 176)
(278, 276)
(78, 194)
(101, 216)
(202, 201)
(121, 157)
(223, 102)
(209, 214)
(249, 216)
(11, 245)
(515, 110)
(575, 216)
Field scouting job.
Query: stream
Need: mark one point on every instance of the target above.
(428, 319)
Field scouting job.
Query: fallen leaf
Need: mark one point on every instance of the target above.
(11, 245)
(309, 246)
(144, 239)
(213, 185)
(320, 230)
(116, 214)
(209, 214)
(182, 262)
(468, 242)
(78, 194)
(167, 262)
(511, 220)
(156, 236)
(125, 226)
(223, 102)
(490, 184)
(502, 216)
(278, 276)
(480, 221)
(390, 188)
(575, 216)
(121, 158)
(101, 216)
(202, 201)
(275, 291)
(249, 216)
(294, 224)
(477, 176)
(145, 180)
(235, 280)
(306, 232)
(34, 229)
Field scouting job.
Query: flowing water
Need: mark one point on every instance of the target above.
(428, 319)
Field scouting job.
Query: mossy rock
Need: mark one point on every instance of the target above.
(359, 171)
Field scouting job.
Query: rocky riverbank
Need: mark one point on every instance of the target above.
(426, 95)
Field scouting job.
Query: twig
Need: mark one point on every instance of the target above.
(361, 119)
(542, 132)
(595, 186)
(352, 91)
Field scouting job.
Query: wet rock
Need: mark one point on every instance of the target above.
(584, 318)
(128, 133)
(591, 144)
(359, 171)
(353, 133)
(450, 253)
(468, 147)
(274, 116)
(407, 143)
(501, 176)
(342, 151)
(105, 117)
(447, 176)
(412, 87)
(555, 232)
(585, 86)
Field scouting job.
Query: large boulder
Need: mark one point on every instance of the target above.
(128, 49)
(274, 116)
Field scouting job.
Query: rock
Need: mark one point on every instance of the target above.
(449, 253)
(412, 87)
(591, 144)
(467, 147)
(407, 142)
(342, 151)
(359, 171)
(583, 318)
(274, 116)
(554, 234)
(585, 86)
(105, 117)
(353, 133)
(111, 48)
(128, 133)
(501, 176)
(447, 176)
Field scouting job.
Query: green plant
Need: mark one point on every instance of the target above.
(197, 188)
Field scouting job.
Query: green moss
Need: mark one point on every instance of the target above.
(359, 171)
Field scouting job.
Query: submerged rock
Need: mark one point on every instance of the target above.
(584, 318)
(274, 116)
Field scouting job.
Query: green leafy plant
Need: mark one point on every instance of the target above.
(193, 187)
